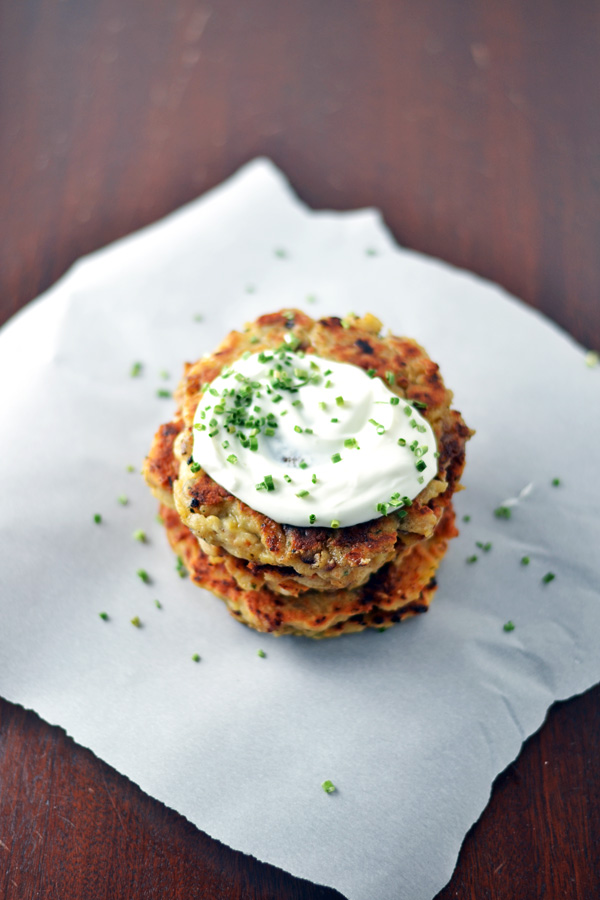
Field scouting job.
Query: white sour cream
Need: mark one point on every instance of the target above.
(328, 453)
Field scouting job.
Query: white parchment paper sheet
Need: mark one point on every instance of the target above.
(412, 725)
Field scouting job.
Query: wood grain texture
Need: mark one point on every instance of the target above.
(475, 127)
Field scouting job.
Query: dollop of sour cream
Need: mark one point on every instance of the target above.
(312, 442)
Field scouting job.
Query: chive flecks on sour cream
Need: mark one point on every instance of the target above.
(271, 411)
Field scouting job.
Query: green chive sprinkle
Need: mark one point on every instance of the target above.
(336, 458)
(329, 384)
(466, 518)
(163, 392)
(312, 518)
(303, 465)
(158, 604)
(592, 358)
(555, 482)
(136, 369)
(280, 253)
(122, 500)
(335, 523)
(421, 465)
(394, 401)
(198, 317)
(232, 458)
(303, 493)
(401, 442)
(509, 626)
(335, 420)
(131, 468)
(351, 442)
(180, 567)
(503, 512)
(314, 479)
(196, 657)
(419, 405)
(164, 374)
(390, 377)
(288, 479)
(371, 373)
(97, 518)
(328, 786)
(261, 653)
(525, 560)
(136, 621)
(328, 372)
(548, 577)
(140, 536)
(323, 406)
(103, 616)
(269, 483)
(471, 559)
(485, 547)
(339, 401)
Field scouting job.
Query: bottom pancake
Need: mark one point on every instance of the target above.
(402, 588)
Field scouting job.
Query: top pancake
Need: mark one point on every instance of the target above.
(322, 558)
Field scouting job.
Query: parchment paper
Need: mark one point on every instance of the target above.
(412, 725)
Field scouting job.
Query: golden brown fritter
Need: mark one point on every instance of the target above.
(403, 587)
(301, 559)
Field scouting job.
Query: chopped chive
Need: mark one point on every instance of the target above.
(131, 468)
(136, 369)
(225, 445)
(466, 518)
(485, 547)
(303, 493)
(312, 518)
(232, 458)
(329, 384)
(140, 536)
(269, 483)
(413, 423)
(371, 373)
(336, 458)
(548, 577)
(419, 404)
(408, 410)
(382, 508)
(261, 653)
(164, 374)
(339, 401)
(158, 604)
(322, 406)
(97, 518)
(401, 442)
(335, 523)
(103, 616)
(297, 429)
(136, 621)
(335, 420)
(328, 372)
(195, 468)
(525, 560)
(280, 253)
(394, 401)
(472, 559)
(308, 431)
(196, 657)
(297, 403)
(555, 482)
(503, 512)
(288, 479)
(303, 465)
(420, 479)
(163, 392)
(390, 377)
(351, 442)
(180, 567)
(592, 358)
(509, 626)
(328, 786)
(421, 465)
(314, 479)
(122, 500)
(198, 317)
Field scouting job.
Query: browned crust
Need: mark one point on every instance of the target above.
(406, 585)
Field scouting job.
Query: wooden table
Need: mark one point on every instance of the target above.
(475, 127)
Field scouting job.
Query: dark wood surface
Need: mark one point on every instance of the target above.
(475, 127)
